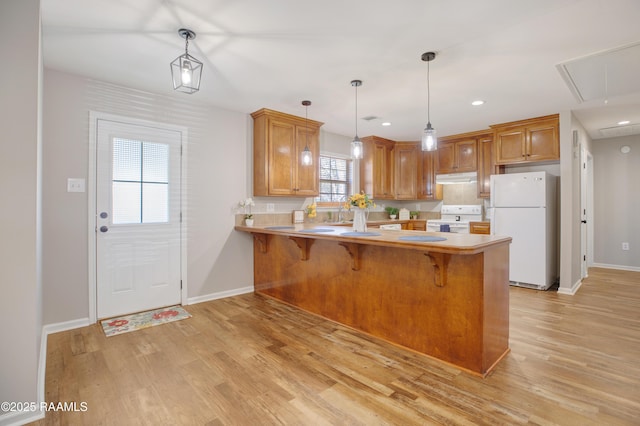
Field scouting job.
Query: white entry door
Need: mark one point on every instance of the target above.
(137, 218)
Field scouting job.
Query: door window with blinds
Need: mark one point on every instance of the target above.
(140, 182)
(335, 180)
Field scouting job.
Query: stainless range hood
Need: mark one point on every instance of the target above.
(450, 178)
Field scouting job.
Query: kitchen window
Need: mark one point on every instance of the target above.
(335, 180)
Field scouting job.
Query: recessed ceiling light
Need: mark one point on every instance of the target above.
(623, 122)
(386, 123)
(477, 103)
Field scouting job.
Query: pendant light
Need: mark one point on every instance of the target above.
(356, 144)
(185, 69)
(429, 139)
(307, 156)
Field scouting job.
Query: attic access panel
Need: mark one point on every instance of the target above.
(603, 75)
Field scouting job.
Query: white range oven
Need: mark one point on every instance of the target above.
(455, 218)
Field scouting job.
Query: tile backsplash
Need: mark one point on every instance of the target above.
(461, 193)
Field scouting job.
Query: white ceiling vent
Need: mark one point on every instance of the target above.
(603, 75)
(614, 132)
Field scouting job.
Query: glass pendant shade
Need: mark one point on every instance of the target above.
(186, 70)
(356, 148)
(306, 157)
(429, 139)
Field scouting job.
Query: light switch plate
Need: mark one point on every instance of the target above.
(75, 185)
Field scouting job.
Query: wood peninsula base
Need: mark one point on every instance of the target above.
(449, 300)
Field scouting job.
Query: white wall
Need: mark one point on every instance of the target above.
(216, 180)
(20, 245)
(617, 202)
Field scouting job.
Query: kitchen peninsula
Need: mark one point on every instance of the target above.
(445, 295)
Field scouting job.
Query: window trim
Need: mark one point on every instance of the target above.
(350, 164)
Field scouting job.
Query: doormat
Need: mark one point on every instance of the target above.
(133, 322)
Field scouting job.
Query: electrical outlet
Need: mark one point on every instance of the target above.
(270, 208)
(625, 246)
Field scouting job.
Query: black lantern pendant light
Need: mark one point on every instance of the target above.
(429, 139)
(356, 144)
(307, 156)
(185, 69)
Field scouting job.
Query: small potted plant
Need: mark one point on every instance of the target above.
(414, 214)
(248, 216)
(393, 211)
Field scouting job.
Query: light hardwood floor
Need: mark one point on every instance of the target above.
(248, 360)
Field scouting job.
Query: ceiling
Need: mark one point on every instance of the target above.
(524, 58)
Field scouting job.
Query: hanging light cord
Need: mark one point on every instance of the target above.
(306, 125)
(356, 109)
(428, 96)
(186, 45)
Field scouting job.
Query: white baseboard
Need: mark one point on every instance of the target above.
(219, 295)
(64, 326)
(571, 291)
(619, 267)
(20, 418)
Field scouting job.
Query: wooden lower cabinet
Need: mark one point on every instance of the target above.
(417, 225)
(480, 228)
(451, 305)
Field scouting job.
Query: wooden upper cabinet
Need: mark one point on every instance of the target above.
(427, 188)
(278, 142)
(406, 170)
(456, 155)
(486, 165)
(526, 141)
(377, 168)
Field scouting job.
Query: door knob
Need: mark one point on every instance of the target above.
(104, 215)
(104, 228)
(584, 221)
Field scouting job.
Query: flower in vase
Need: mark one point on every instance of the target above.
(361, 201)
(311, 210)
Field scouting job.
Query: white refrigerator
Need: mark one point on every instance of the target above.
(524, 208)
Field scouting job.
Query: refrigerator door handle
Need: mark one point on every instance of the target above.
(491, 191)
(491, 215)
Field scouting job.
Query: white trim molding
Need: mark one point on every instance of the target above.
(571, 291)
(219, 295)
(64, 326)
(94, 116)
(619, 267)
